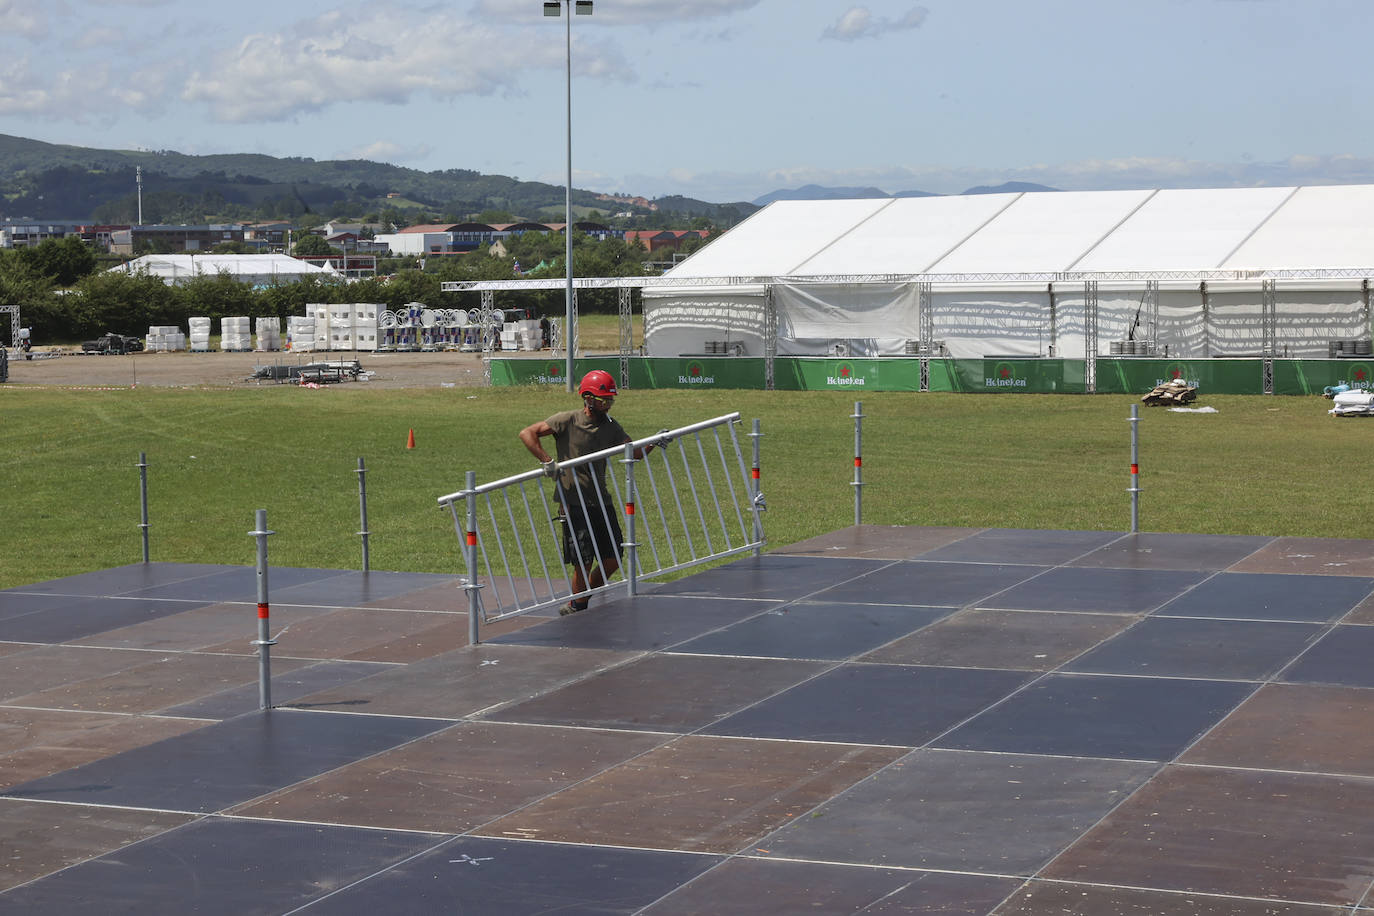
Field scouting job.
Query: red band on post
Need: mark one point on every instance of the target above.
(472, 538)
(858, 462)
(1135, 469)
(756, 473)
(262, 612)
(629, 508)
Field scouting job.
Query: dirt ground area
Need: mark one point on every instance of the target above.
(51, 368)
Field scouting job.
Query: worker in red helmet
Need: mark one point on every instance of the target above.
(591, 525)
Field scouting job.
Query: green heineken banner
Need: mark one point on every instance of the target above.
(801, 373)
(1011, 375)
(1313, 376)
(995, 375)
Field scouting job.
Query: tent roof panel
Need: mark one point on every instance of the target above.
(1185, 230)
(1319, 227)
(909, 235)
(1043, 232)
(778, 238)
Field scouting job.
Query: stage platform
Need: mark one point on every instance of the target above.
(877, 721)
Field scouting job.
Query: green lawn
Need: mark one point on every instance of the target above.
(71, 501)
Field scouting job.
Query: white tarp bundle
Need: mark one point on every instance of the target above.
(846, 273)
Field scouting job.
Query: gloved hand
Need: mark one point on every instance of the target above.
(663, 439)
(550, 468)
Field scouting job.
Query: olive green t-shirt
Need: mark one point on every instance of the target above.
(575, 434)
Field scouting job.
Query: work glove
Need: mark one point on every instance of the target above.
(550, 468)
(663, 439)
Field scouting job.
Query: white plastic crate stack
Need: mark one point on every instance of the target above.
(200, 334)
(341, 327)
(235, 334)
(164, 338)
(269, 333)
(300, 333)
(320, 312)
(366, 321)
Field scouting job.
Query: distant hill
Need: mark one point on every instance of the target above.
(819, 192)
(1009, 187)
(47, 180)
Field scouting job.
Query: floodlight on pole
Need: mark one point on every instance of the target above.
(580, 8)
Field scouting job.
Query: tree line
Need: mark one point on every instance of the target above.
(66, 294)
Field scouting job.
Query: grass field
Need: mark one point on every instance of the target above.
(71, 498)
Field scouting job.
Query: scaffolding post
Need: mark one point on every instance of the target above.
(362, 511)
(756, 491)
(1135, 469)
(143, 499)
(631, 554)
(858, 484)
(470, 556)
(264, 642)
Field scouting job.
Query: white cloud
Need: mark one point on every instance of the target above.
(364, 56)
(859, 22)
(91, 94)
(25, 19)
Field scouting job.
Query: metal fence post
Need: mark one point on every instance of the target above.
(858, 417)
(143, 498)
(362, 509)
(1135, 468)
(264, 642)
(756, 488)
(470, 555)
(632, 556)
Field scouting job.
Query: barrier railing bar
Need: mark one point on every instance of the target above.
(500, 551)
(662, 520)
(730, 482)
(519, 546)
(706, 529)
(677, 499)
(631, 547)
(538, 541)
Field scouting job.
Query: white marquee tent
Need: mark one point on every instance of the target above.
(257, 269)
(1194, 273)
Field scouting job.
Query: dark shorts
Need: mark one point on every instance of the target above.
(587, 538)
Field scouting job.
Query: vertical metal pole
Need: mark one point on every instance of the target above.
(568, 306)
(858, 484)
(631, 548)
(264, 642)
(143, 498)
(756, 496)
(1135, 468)
(362, 509)
(470, 555)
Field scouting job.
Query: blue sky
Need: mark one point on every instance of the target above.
(720, 100)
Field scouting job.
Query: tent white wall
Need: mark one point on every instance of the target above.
(257, 269)
(1006, 274)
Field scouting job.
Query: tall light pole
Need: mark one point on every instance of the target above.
(581, 8)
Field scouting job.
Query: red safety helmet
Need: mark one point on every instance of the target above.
(598, 383)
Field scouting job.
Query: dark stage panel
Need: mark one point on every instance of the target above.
(1105, 591)
(874, 704)
(749, 886)
(227, 763)
(929, 583)
(1005, 814)
(476, 875)
(977, 638)
(1186, 647)
(815, 630)
(1090, 716)
(74, 618)
(645, 623)
(220, 867)
(879, 542)
(1342, 656)
(1261, 596)
(776, 577)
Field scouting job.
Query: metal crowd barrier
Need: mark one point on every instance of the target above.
(686, 503)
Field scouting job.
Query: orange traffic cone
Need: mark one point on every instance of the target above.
(410, 440)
